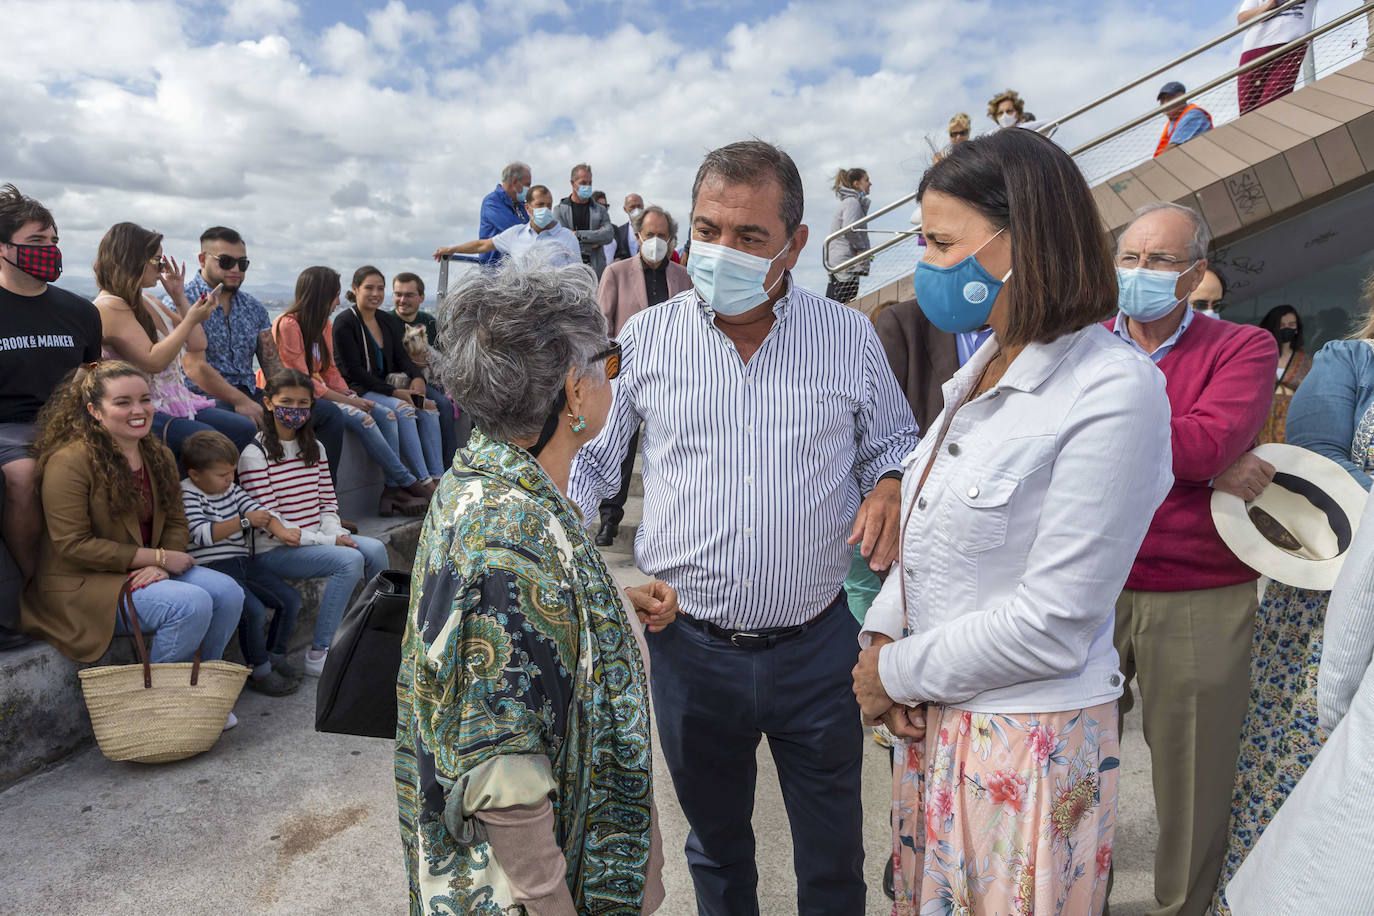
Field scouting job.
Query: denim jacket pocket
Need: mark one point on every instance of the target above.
(979, 521)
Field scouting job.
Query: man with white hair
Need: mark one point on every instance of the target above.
(1185, 621)
(505, 206)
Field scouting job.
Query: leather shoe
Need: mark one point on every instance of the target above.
(605, 536)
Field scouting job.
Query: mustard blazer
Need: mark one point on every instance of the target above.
(84, 556)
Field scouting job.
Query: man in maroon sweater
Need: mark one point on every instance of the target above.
(1185, 622)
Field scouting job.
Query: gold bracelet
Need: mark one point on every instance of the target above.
(162, 557)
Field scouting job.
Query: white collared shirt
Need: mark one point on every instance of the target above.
(517, 241)
(1123, 330)
(753, 472)
(1023, 535)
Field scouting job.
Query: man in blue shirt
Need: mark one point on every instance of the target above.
(1185, 121)
(505, 206)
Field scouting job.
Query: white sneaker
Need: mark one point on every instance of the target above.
(231, 721)
(314, 665)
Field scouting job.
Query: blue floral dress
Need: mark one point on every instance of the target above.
(520, 679)
(1281, 736)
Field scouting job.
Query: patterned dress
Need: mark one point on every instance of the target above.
(1039, 791)
(520, 679)
(1280, 736)
(1298, 366)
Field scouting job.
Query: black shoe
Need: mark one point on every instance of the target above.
(888, 887)
(605, 537)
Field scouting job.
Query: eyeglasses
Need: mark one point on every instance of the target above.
(612, 357)
(226, 261)
(1151, 262)
(157, 261)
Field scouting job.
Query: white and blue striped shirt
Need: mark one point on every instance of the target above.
(753, 472)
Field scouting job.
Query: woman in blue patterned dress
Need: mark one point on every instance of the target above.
(523, 762)
(1332, 414)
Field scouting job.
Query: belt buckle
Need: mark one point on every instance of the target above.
(749, 639)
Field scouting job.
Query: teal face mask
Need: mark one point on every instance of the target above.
(585, 191)
(541, 217)
(520, 196)
(1148, 295)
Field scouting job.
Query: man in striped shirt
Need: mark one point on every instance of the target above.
(774, 432)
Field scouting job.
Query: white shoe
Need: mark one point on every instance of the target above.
(314, 666)
(231, 721)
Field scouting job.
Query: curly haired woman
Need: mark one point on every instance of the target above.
(112, 505)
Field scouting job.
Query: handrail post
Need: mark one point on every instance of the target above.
(443, 279)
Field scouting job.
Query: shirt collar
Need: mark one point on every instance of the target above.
(780, 308)
(1035, 364)
(1122, 329)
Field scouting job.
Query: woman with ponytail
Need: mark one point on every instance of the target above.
(851, 187)
(111, 500)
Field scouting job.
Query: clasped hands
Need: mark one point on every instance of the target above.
(905, 722)
(655, 604)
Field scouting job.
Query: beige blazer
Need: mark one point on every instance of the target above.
(84, 556)
(623, 293)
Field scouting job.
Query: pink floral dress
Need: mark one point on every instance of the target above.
(171, 395)
(1005, 814)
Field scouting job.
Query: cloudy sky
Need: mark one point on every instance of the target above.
(356, 131)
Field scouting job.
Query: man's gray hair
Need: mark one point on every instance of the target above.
(572, 176)
(638, 223)
(1202, 235)
(750, 162)
(510, 335)
(515, 170)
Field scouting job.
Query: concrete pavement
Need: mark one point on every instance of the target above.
(279, 819)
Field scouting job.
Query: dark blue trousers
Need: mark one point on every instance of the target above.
(713, 703)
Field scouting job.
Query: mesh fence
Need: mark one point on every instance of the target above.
(1326, 54)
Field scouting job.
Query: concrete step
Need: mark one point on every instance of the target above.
(42, 714)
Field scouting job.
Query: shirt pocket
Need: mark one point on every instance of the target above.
(981, 508)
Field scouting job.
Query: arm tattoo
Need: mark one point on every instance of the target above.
(268, 358)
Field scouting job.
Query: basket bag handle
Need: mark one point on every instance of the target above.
(130, 616)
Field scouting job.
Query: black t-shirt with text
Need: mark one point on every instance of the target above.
(42, 338)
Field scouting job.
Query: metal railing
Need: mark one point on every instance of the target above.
(1333, 45)
(443, 271)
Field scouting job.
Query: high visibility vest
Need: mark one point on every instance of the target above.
(1173, 124)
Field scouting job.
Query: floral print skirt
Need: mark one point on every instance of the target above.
(1280, 736)
(1006, 814)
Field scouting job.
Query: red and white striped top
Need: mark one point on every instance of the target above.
(302, 494)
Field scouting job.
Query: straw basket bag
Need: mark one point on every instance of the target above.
(156, 713)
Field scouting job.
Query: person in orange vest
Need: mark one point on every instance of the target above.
(1185, 121)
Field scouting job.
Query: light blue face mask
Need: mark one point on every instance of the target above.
(728, 280)
(957, 299)
(520, 195)
(541, 217)
(1148, 295)
(585, 191)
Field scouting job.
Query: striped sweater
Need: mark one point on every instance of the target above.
(204, 510)
(302, 495)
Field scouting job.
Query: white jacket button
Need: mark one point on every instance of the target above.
(954, 448)
(921, 503)
(972, 492)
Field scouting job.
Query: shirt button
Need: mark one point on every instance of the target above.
(748, 532)
(746, 583)
(749, 429)
(921, 503)
(749, 480)
(1116, 680)
(972, 492)
(954, 448)
(749, 381)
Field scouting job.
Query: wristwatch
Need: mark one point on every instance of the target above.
(244, 524)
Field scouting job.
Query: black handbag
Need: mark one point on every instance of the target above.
(357, 690)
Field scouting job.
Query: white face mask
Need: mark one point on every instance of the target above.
(636, 213)
(1009, 119)
(653, 249)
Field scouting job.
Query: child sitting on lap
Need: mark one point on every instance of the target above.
(222, 518)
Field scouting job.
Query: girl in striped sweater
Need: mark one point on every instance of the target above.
(286, 470)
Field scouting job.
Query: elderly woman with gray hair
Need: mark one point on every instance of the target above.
(523, 761)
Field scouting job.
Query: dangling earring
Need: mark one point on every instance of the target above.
(578, 424)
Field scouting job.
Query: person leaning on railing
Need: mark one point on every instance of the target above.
(851, 187)
(1276, 78)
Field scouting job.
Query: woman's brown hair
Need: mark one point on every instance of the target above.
(1062, 278)
(362, 273)
(848, 178)
(316, 289)
(65, 419)
(120, 260)
(305, 436)
(1009, 95)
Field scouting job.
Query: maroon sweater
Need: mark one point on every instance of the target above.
(1220, 380)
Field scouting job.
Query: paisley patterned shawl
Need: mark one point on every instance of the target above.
(520, 678)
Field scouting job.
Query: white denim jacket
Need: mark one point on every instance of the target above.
(1021, 539)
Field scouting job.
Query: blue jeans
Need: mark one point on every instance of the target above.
(198, 609)
(420, 441)
(176, 430)
(714, 702)
(262, 589)
(378, 447)
(448, 433)
(345, 567)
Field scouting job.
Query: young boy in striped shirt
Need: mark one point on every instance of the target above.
(222, 519)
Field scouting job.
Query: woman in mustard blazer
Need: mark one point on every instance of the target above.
(112, 511)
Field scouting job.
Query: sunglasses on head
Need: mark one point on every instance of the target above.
(612, 357)
(227, 261)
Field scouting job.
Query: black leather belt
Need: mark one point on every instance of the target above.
(757, 640)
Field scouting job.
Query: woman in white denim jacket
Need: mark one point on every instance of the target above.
(989, 649)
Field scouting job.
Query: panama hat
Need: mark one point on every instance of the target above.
(1298, 530)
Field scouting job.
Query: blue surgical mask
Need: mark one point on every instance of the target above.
(541, 217)
(957, 299)
(585, 191)
(1148, 295)
(520, 195)
(728, 280)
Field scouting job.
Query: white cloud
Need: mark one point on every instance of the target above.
(344, 145)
